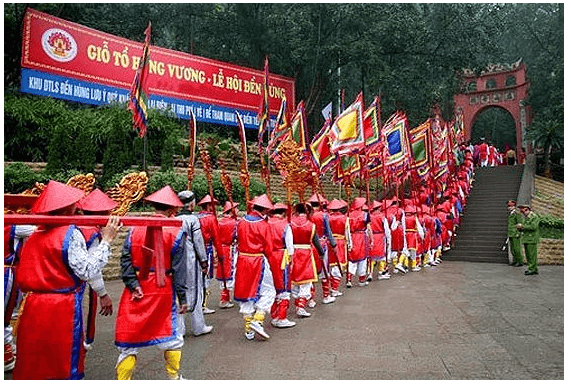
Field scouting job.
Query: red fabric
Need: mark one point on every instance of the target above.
(210, 230)
(411, 231)
(253, 247)
(357, 225)
(397, 235)
(278, 226)
(226, 232)
(41, 267)
(378, 251)
(8, 241)
(50, 341)
(318, 219)
(152, 319)
(304, 269)
(249, 274)
(337, 222)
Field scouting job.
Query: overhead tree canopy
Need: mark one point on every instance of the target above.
(408, 53)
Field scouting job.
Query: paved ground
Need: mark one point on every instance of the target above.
(455, 321)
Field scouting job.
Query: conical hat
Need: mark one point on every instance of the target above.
(165, 196)
(96, 200)
(410, 209)
(280, 206)
(207, 199)
(337, 204)
(56, 196)
(229, 206)
(358, 202)
(377, 204)
(316, 198)
(262, 201)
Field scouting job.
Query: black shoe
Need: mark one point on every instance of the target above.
(527, 272)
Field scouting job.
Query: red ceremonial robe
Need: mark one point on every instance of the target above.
(227, 234)
(304, 269)
(338, 222)
(253, 246)
(282, 281)
(397, 235)
(378, 251)
(411, 232)
(50, 330)
(210, 235)
(358, 225)
(152, 319)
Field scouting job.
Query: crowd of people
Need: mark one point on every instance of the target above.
(488, 155)
(268, 261)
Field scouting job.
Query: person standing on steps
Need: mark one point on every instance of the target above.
(514, 235)
(530, 237)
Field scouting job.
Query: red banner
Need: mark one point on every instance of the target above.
(56, 46)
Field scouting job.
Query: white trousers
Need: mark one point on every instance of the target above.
(267, 294)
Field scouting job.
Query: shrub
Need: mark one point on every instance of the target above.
(18, 177)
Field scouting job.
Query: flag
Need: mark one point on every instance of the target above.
(459, 127)
(242, 136)
(264, 113)
(439, 147)
(420, 149)
(298, 130)
(327, 111)
(282, 126)
(138, 100)
(347, 166)
(347, 130)
(371, 123)
(320, 148)
(397, 142)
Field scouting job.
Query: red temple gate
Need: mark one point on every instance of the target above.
(500, 86)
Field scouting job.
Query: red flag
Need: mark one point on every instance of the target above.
(138, 100)
(264, 113)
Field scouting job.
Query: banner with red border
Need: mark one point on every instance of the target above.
(55, 51)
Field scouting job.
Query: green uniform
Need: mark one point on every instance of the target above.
(514, 236)
(530, 239)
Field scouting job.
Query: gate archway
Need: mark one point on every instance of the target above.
(497, 86)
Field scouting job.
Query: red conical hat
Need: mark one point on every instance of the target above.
(316, 198)
(358, 202)
(97, 201)
(165, 196)
(280, 206)
(207, 199)
(229, 206)
(410, 209)
(337, 204)
(262, 201)
(376, 204)
(56, 196)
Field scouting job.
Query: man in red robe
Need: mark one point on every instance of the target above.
(52, 272)
(148, 314)
(254, 284)
(227, 227)
(211, 237)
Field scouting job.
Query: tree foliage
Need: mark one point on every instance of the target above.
(408, 53)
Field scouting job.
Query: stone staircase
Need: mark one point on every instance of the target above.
(483, 228)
